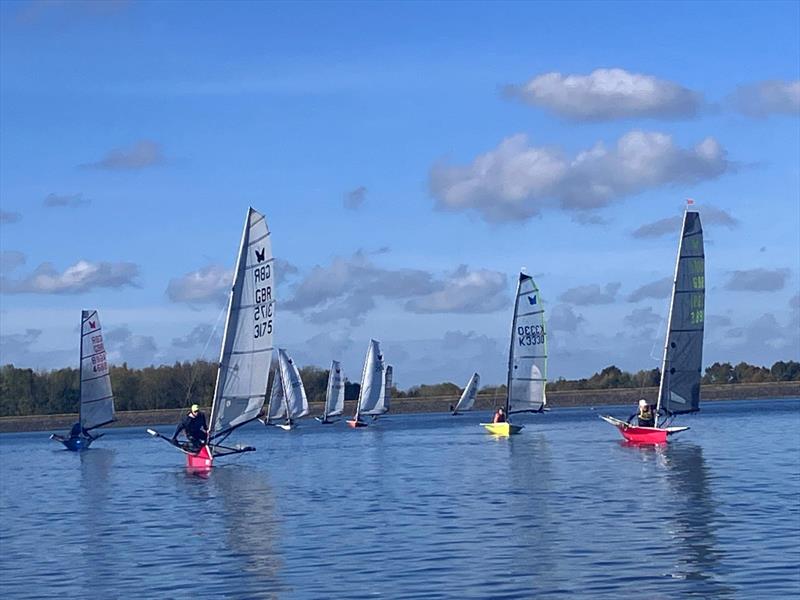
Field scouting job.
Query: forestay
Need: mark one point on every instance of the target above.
(97, 401)
(467, 400)
(247, 342)
(334, 396)
(679, 390)
(373, 389)
(527, 361)
(293, 390)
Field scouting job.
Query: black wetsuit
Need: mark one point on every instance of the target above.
(77, 430)
(647, 419)
(194, 427)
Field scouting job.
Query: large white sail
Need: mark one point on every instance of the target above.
(293, 389)
(681, 368)
(527, 360)
(371, 397)
(334, 396)
(247, 343)
(97, 401)
(467, 400)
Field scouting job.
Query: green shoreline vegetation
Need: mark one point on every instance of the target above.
(26, 392)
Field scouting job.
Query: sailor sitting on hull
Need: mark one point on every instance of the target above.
(194, 426)
(646, 416)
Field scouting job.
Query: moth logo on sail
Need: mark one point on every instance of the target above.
(530, 335)
(261, 255)
(93, 324)
(532, 300)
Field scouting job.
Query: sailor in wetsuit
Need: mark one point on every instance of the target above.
(194, 426)
(78, 430)
(646, 416)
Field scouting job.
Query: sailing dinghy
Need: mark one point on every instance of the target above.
(372, 396)
(681, 367)
(334, 395)
(288, 399)
(527, 358)
(246, 351)
(467, 400)
(96, 399)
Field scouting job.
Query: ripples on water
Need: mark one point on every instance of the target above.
(418, 506)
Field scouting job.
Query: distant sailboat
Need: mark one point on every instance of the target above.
(527, 358)
(334, 395)
(288, 399)
(372, 396)
(246, 351)
(467, 400)
(681, 367)
(96, 398)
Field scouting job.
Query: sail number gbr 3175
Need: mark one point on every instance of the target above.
(262, 311)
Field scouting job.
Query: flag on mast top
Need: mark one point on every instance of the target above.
(689, 201)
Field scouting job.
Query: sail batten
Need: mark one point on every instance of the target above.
(96, 397)
(681, 367)
(246, 350)
(527, 357)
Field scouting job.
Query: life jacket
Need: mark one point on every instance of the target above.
(646, 417)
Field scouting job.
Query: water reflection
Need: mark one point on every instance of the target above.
(249, 517)
(97, 563)
(687, 511)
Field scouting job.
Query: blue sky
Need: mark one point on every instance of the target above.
(410, 158)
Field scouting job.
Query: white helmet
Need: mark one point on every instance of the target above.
(642, 403)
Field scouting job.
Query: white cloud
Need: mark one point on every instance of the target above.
(354, 199)
(209, 284)
(757, 280)
(465, 291)
(137, 350)
(564, 318)
(141, 154)
(768, 97)
(607, 94)
(65, 200)
(642, 317)
(710, 215)
(586, 295)
(81, 277)
(655, 289)
(515, 181)
(7, 217)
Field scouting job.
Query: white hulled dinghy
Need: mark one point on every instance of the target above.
(372, 396)
(96, 398)
(467, 399)
(334, 394)
(527, 358)
(246, 352)
(681, 367)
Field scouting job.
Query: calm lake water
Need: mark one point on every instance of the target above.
(418, 506)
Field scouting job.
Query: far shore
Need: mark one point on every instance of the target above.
(555, 400)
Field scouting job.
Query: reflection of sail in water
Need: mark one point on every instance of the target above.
(536, 536)
(249, 517)
(689, 510)
(97, 565)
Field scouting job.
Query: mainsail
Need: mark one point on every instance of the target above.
(373, 392)
(527, 358)
(334, 396)
(277, 403)
(388, 382)
(679, 390)
(467, 400)
(247, 343)
(293, 390)
(97, 401)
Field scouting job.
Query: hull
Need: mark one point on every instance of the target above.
(502, 429)
(75, 444)
(642, 435)
(202, 461)
(355, 424)
(326, 421)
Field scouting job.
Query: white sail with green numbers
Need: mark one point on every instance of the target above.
(527, 359)
(246, 352)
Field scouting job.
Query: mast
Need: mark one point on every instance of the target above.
(242, 247)
(664, 371)
(511, 347)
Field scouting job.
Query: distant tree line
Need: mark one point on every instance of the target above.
(29, 392)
